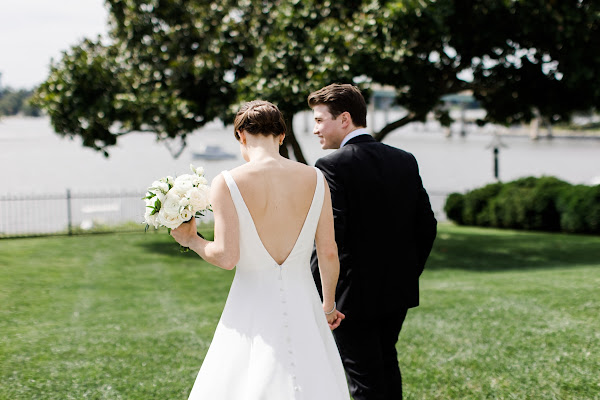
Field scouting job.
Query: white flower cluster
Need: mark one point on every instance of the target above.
(173, 201)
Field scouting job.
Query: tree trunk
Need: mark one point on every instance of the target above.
(290, 142)
(548, 126)
(534, 125)
(283, 149)
(291, 139)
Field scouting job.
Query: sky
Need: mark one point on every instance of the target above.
(32, 32)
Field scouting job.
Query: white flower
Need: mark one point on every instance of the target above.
(158, 194)
(201, 181)
(168, 180)
(184, 202)
(161, 196)
(150, 202)
(151, 219)
(159, 186)
(171, 204)
(198, 180)
(169, 220)
(176, 200)
(183, 183)
(198, 171)
(186, 214)
(199, 197)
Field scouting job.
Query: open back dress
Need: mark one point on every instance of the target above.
(272, 341)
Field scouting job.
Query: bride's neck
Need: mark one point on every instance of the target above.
(262, 149)
(260, 154)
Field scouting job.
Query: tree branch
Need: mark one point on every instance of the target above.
(177, 153)
(131, 131)
(410, 117)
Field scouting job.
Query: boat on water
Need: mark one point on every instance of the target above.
(213, 152)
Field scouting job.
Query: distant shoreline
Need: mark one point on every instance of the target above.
(556, 134)
(517, 132)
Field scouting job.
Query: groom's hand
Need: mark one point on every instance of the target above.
(334, 323)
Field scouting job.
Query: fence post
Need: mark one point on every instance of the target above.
(69, 221)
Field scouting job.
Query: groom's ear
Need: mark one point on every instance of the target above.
(346, 118)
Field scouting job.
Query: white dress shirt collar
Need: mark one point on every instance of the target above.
(353, 134)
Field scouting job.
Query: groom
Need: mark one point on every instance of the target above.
(384, 229)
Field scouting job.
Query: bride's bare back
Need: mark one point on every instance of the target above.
(278, 194)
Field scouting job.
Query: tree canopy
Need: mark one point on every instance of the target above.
(170, 66)
(530, 55)
(16, 101)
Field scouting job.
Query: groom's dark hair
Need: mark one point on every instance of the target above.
(340, 98)
(259, 117)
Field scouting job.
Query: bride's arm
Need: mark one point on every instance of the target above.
(329, 263)
(224, 251)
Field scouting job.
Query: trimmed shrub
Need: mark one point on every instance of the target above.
(546, 204)
(506, 209)
(528, 203)
(542, 213)
(579, 208)
(454, 207)
(476, 201)
(593, 210)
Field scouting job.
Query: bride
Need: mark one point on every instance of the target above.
(274, 338)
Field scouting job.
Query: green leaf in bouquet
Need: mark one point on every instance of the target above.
(157, 205)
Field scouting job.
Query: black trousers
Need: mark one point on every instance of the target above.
(368, 351)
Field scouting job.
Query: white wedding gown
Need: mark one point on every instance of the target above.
(272, 341)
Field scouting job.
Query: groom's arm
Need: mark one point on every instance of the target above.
(426, 224)
(338, 200)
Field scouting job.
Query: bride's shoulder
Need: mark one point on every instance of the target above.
(218, 184)
(240, 172)
(254, 172)
(300, 167)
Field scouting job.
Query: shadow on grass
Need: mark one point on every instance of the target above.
(164, 248)
(481, 249)
(163, 244)
(467, 248)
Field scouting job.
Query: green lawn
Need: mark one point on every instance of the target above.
(503, 315)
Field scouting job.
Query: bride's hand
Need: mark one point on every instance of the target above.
(335, 319)
(185, 233)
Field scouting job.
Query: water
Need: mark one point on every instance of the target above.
(34, 160)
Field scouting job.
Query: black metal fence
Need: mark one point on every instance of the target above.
(70, 213)
(80, 213)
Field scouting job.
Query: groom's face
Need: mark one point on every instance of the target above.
(328, 129)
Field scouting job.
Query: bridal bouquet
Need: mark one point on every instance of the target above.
(173, 201)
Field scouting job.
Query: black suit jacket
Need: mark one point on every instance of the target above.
(384, 227)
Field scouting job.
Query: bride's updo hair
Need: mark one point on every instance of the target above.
(259, 117)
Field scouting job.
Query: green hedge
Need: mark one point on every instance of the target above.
(543, 204)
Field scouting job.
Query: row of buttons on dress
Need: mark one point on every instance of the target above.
(288, 338)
